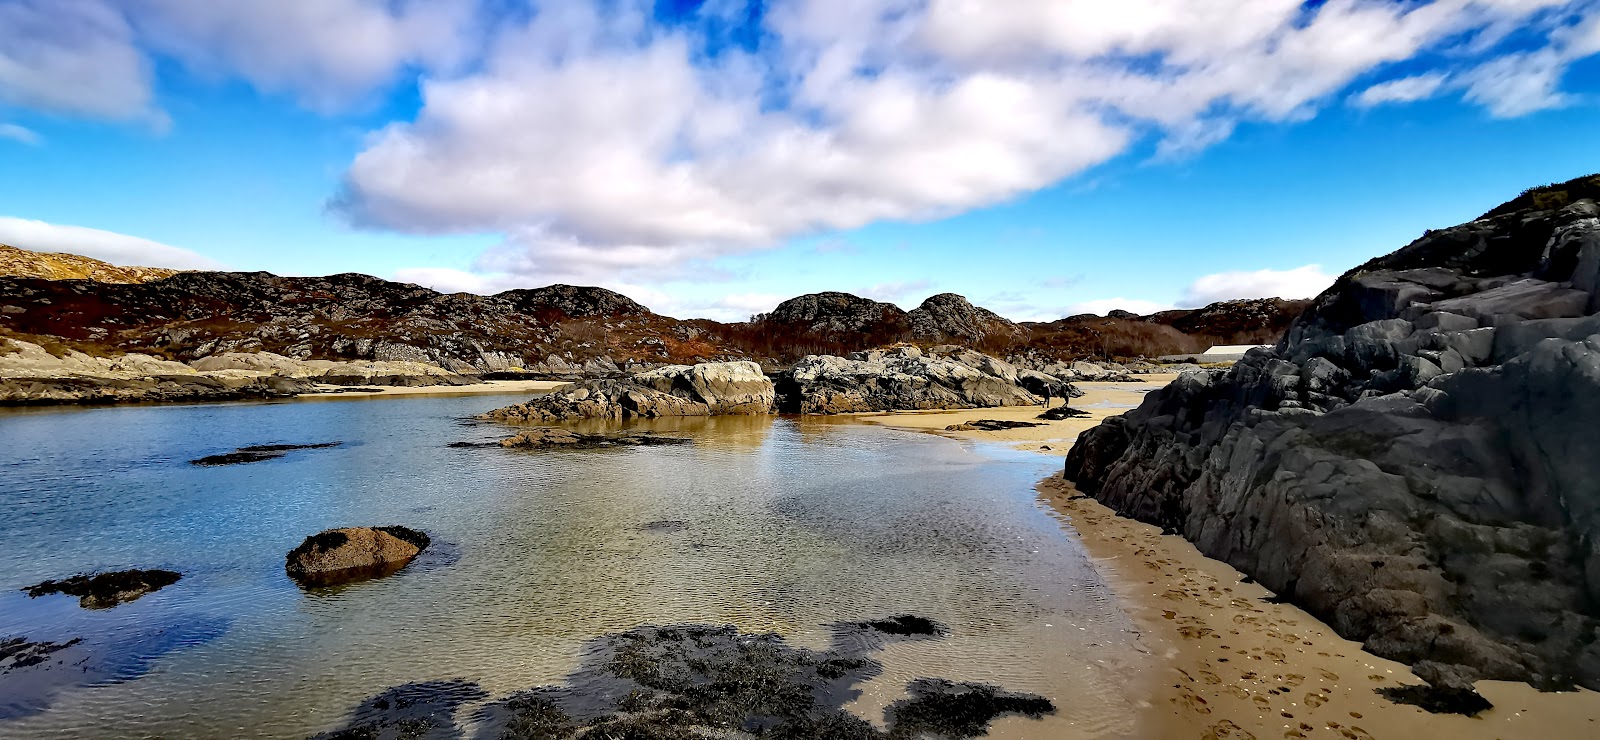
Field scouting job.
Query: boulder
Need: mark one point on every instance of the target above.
(106, 590)
(900, 379)
(338, 556)
(1413, 461)
(675, 390)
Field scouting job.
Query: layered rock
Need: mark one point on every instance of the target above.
(907, 378)
(1414, 461)
(338, 556)
(677, 390)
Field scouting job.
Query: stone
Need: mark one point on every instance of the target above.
(106, 590)
(338, 556)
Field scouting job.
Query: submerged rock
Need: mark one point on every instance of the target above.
(707, 389)
(338, 556)
(257, 453)
(1415, 461)
(106, 590)
(18, 652)
(696, 681)
(546, 438)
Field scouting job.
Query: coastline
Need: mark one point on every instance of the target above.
(1234, 665)
(487, 387)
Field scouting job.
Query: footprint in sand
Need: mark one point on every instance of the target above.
(1275, 654)
(1192, 703)
(1355, 733)
(1375, 677)
(1227, 729)
(1237, 691)
(1169, 614)
(1261, 701)
(1210, 677)
(1330, 675)
(1315, 700)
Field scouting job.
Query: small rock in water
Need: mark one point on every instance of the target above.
(1062, 412)
(106, 590)
(951, 709)
(546, 438)
(338, 556)
(17, 652)
(906, 624)
(257, 453)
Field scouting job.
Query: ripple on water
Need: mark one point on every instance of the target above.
(767, 525)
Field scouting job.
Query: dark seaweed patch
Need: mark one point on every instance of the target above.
(414, 710)
(16, 652)
(906, 624)
(406, 534)
(106, 590)
(1437, 699)
(694, 681)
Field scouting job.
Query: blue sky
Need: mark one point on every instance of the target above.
(710, 159)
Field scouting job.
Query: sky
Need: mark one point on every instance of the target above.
(709, 159)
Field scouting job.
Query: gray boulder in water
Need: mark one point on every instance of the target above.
(1415, 462)
(675, 390)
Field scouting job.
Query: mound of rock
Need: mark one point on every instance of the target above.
(945, 377)
(675, 390)
(1414, 462)
(338, 556)
(949, 317)
(106, 590)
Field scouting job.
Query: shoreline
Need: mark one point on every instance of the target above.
(1233, 665)
(486, 387)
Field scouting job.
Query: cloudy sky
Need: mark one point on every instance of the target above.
(1043, 157)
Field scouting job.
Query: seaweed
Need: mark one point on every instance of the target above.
(106, 590)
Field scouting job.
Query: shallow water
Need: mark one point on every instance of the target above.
(767, 524)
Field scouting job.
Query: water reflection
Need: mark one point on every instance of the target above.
(776, 524)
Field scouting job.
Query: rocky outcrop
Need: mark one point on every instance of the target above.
(948, 317)
(106, 590)
(677, 390)
(905, 378)
(1414, 462)
(833, 313)
(540, 439)
(338, 556)
(24, 263)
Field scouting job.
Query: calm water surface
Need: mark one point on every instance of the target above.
(776, 524)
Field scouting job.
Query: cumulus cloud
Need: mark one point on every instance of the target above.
(73, 56)
(110, 246)
(1300, 282)
(1403, 90)
(598, 139)
(19, 134)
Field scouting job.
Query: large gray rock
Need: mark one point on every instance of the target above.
(675, 390)
(906, 378)
(1414, 462)
(949, 317)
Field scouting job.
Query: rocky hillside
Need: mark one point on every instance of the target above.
(948, 318)
(24, 263)
(1414, 462)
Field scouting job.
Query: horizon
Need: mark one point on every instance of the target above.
(709, 160)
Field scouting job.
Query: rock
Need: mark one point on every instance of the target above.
(948, 317)
(257, 453)
(1057, 413)
(18, 652)
(1414, 461)
(106, 590)
(337, 556)
(548, 438)
(677, 390)
(835, 315)
(901, 379)
(990, 425)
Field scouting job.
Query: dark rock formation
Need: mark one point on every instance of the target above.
(18, 652)
(833, 314)
(1247, 321)
(1414, 462)
(990, 425)
(692, 681)
(106, 590)
(54, 390)
(1057, 413)
(338, 556)
(565, 438)
(675, 390)
(905, 378)
(948, 317)
(257, 453)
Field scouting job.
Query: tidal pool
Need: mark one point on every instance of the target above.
(766, 524)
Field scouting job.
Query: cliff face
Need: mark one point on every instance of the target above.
(1414, 461)
(24, 263)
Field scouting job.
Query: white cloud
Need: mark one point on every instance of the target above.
(1518, 84)
(598, 143)
(895, 291)
(1300, 282)
(1403, 90)
(19, 134)
(73, 56)
(118, 249)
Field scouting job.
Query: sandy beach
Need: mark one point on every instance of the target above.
(1233, 664)
(332, 392)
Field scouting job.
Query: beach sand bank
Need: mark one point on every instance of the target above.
(1232, 664)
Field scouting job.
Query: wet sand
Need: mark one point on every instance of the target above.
(332, 392)
(1233, 665)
